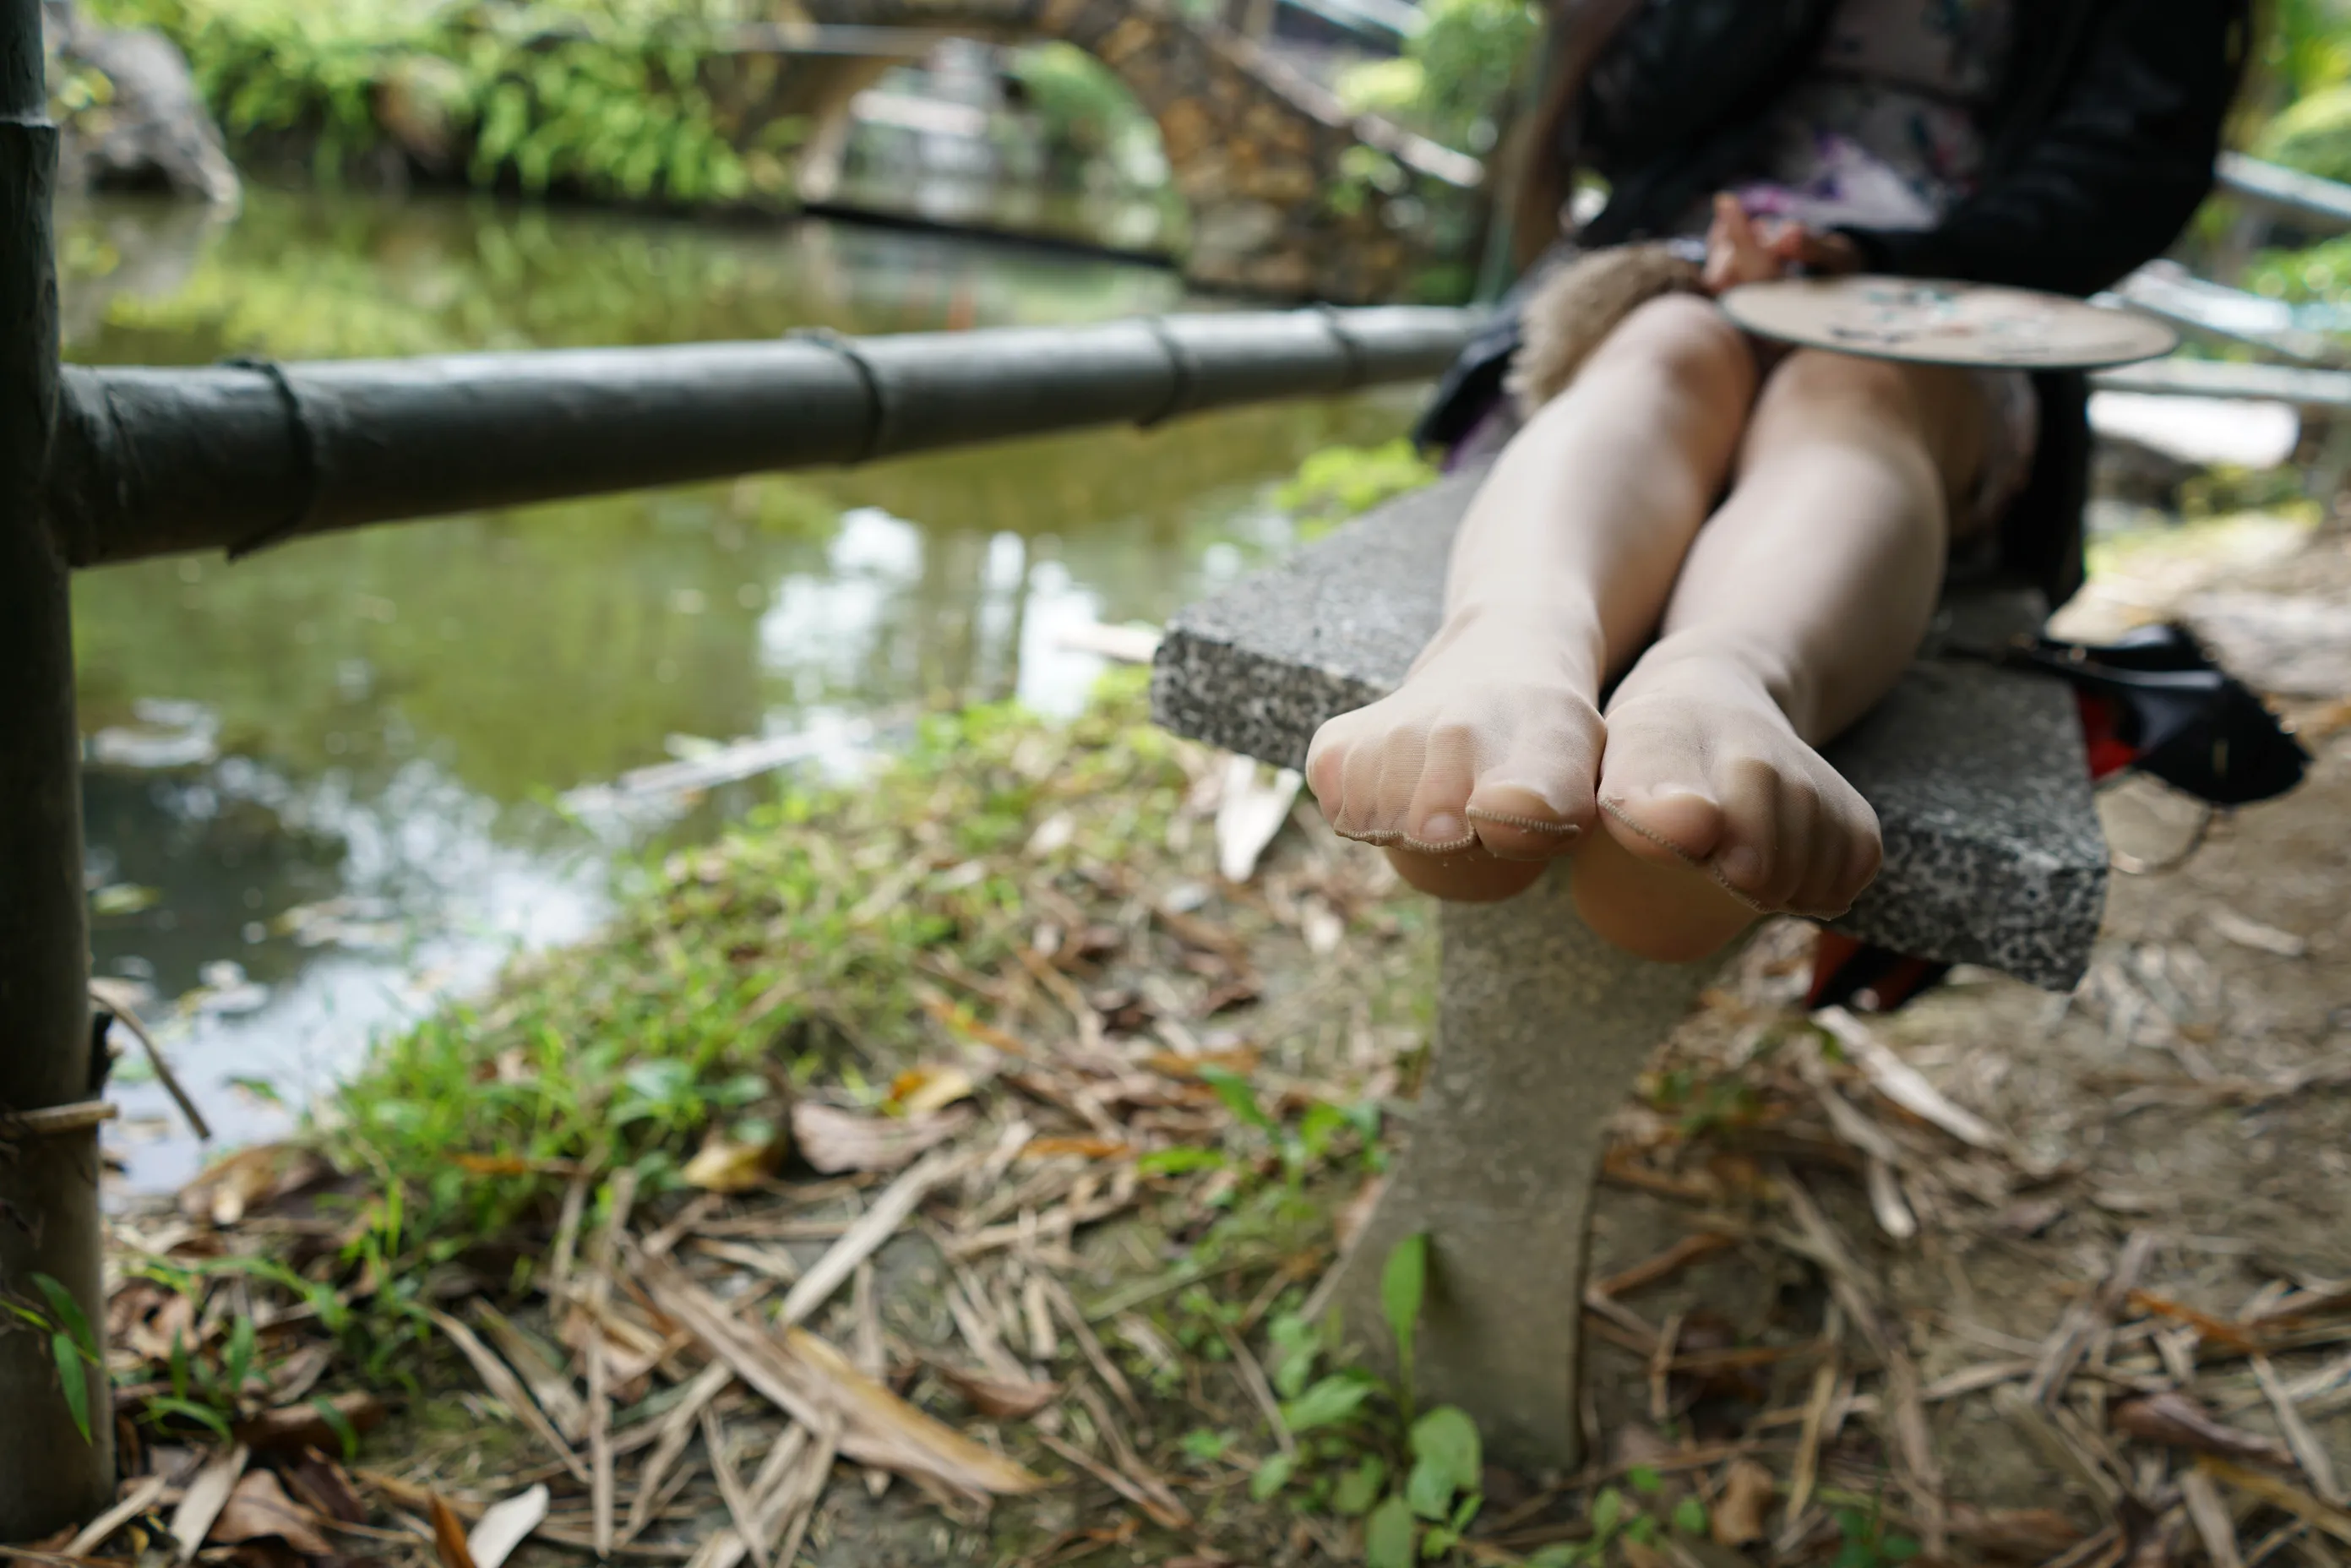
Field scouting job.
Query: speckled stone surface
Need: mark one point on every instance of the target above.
(1542, 1028)
(1994, 854)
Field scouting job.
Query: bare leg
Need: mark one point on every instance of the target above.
(1491, 747)
(1797, 608)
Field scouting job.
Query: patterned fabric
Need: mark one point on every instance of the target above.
(1887, 130)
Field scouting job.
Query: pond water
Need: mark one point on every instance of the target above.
(334, 782)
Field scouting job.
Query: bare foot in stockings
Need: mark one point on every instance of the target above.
(1479, 767)
(1705, 772)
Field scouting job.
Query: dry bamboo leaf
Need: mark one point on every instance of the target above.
(807, 1378)
(602, 1485)
(1158, 1512)
(2299, 1438)
(1663, 1265)
(999, 1398)
(2083, 1320)
(257, 1507)
(506, 1526)
(1904, 1084)
(2055, 1445)
(1887, 1204)
(228, 1187)
(507, 1390)
(2245, 931)
(871, 1233)
(448, 1535)
(740, 1507)
(549, 1385)
(207, 1495)
(833, 1140)
(2176, 1420)
(2293, 1499)
(674, 1431)
(1084, 1149)
(1090, 1345)
(566, 1237)
(2210, 1514)
(2032, 1534)
(1747, 1492)
(727, 1163)
(926, 1089)
(305, 1426)
(100, 1531)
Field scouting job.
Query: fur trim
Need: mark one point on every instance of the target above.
(1575, 307)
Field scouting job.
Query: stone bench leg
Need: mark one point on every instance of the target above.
(1542, 1028)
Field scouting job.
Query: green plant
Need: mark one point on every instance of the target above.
(73, 1347)
(1341, 482)
(612, 97)
(1454, 75)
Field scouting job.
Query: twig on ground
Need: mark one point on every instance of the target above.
(872, 1229)
(2083, 1318)
(2308, 1451)
(1252, 1378)
(676, 1430)
(2210, 1514)
(507, 1390)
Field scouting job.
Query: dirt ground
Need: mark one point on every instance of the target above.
(2197, 1089)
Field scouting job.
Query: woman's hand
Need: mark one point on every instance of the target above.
(1740, 250)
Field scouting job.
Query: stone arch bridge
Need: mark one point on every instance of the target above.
(1289, 195)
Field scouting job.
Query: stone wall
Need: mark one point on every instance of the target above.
(1289, 195)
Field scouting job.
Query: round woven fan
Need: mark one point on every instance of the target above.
(1936, 323)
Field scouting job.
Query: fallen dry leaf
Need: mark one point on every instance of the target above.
(923, 1091)
(207, 1495)
(258, 1509)
(812, 1381)
(833, 1140)
(1087, 1148)
(323, 1488)
(2336, 1522)
(305, 1426)
(509, 1165)
(2035, 1534)
(999, 1398)
(506, 1526)
(727, 1163)
(1747, 1492)
(2176, 1421)
(448, 1535)
(228, 1187)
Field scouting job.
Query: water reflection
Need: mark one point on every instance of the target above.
(338, 767)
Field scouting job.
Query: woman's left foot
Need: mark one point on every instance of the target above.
(1704, 768)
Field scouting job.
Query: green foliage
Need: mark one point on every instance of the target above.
(611, 97)
(2314, 135)
(73, 1347)
(1863, 1540)
(1454, 75)
(1388, 1535)
(1404, 1281)
(1087, 114)
(1341, 482)
(621, 1052)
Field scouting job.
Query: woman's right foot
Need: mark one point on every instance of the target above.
(1488, 753)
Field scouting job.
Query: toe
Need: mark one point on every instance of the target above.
(1670, 824)
(1436, 821)
(1519, 823)
(1363, 812)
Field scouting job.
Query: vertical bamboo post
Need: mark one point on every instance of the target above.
(49, 1475)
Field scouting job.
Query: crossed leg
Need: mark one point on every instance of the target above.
(1702, 799)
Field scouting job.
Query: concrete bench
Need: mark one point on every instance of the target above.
(1993, 856)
